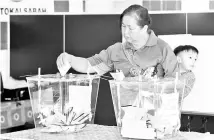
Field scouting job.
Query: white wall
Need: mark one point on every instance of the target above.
(201, 98)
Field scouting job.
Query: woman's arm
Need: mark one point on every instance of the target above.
(169, 62)
(99, 63)
(79, 64)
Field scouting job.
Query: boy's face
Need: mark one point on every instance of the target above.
(187, 60)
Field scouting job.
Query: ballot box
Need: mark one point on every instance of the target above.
(149, 108)
(63, 103)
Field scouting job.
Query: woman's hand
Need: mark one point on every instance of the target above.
(63, 59)
(64, 63)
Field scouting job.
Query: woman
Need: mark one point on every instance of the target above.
(140, 51)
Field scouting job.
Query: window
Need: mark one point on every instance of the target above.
(211, 4)
(162, 5)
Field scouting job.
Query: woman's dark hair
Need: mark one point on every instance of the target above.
(182, 48)
(142, 16)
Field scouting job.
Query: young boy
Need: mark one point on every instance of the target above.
(187, 56)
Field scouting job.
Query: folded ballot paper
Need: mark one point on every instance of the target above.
(63, 70)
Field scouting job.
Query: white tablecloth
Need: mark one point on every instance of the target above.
(92, 132)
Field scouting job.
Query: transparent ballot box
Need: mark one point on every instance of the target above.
(63, 104)
(148, 109)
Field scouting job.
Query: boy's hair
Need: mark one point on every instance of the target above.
(182, 48)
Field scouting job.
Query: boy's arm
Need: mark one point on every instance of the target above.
(189, 79)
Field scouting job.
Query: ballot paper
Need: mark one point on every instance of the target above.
(132, 128)
(80, 98)
(134, 123)
(64, 69)
(118, 75)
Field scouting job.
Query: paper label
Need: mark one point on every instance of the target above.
(80, 98)
(132, 128)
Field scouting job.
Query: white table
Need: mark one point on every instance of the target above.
(92, 132)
